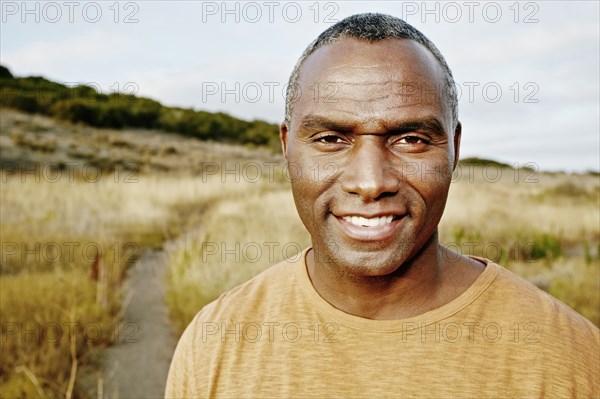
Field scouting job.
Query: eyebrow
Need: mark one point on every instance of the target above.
(314, 122)
(430, 124)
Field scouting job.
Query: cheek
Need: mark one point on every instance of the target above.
(312, 193)
(305, 197)
(431, 187)
(435, 200)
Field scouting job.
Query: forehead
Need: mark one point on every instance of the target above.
(363, 80)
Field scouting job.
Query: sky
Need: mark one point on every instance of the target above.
(528, 72)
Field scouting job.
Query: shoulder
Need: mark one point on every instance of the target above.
(521, 305)
(562, 342)
(521, 295)
(200, 345)
(254, 297)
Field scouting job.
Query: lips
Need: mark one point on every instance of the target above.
(366, 228)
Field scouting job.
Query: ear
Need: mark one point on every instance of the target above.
(457, 133)
(283, 136)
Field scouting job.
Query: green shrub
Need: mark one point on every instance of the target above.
(533, 245)
(483, 162)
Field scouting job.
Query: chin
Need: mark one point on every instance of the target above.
(374, 262)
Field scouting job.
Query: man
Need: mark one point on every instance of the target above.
(377, 307)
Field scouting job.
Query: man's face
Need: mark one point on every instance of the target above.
(371, 147)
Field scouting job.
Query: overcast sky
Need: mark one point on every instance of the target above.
(529, 72)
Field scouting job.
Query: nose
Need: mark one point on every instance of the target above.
(369, 172)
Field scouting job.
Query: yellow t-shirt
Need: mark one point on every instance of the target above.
(275, 337)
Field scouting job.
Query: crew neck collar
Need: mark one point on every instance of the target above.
(360, 323)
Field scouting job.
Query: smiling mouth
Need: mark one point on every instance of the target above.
(371, 222)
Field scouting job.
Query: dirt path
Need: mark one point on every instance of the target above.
(136, 366)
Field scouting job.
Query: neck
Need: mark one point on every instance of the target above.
(411, 290)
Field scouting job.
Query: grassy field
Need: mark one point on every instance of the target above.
(78, 205)
(92, 199)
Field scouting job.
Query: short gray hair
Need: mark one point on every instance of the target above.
(372, 28)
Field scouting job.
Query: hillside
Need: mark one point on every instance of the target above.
(84, 104)
(37, 141)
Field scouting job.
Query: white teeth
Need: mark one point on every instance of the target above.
(373, 222)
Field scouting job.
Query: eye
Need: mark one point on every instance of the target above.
(411, 143)
(330, 139)
(412, 140)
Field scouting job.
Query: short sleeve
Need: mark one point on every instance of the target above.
(181, 381)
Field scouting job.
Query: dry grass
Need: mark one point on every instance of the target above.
(51, 233)
(499, 209)
(42, 312)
